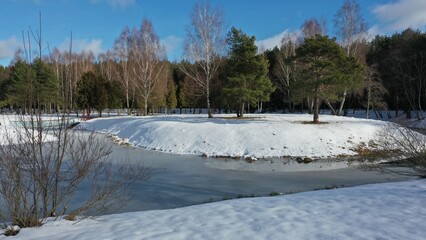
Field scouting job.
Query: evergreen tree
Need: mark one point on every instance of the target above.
(92, 93)
(101, 98)
(5, 81)
(84, 94)
(32, 86)
(171, 101)
(46, 84)
(21, 91)
(324, 71)
(182, 101)
(247, 81)
(115, 96)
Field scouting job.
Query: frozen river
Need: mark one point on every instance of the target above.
(182, 180)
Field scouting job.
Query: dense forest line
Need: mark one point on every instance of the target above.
(224, 71)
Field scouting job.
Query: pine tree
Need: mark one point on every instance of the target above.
(324, 71)
(247, 81)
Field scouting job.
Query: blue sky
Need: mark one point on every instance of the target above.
(96, 23)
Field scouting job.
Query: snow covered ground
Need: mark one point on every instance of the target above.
(269, 135)
(11, 126)
(378, 211)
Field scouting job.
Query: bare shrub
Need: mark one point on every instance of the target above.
(43, 162)
(409, 145)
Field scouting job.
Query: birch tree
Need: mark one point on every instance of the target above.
(204, 45)
(375, 90)
(147, 57)
(312, 27)
(285, 69)
(121, 54)
(351, 28)
(43, 162)
(106, 65)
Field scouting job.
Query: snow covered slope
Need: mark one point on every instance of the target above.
(258, 136)
(379, 211)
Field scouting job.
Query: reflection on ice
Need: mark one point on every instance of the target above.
(182, 180)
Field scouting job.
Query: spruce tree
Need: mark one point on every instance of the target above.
(171, 100)
(101, 98)
(4, 84)
(247, 82)
(182, 101)
(92, 93)
(46, 84)
(21, 92)
(115, 96)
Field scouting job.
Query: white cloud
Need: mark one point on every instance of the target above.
(270, 43)
(399, 15)
(375, 30)
(121, 4)
(171, 44)
(8, 47)
(79, 45)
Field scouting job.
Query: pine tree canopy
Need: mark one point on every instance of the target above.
(324, 70)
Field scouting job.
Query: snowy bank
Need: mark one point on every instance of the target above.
(378, 211)
(259, 136)
(12, 128)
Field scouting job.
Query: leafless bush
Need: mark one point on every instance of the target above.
(409, 145)
(42, 163)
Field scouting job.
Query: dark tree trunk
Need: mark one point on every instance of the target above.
(316, 110)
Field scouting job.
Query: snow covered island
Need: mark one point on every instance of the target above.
(258, 136)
